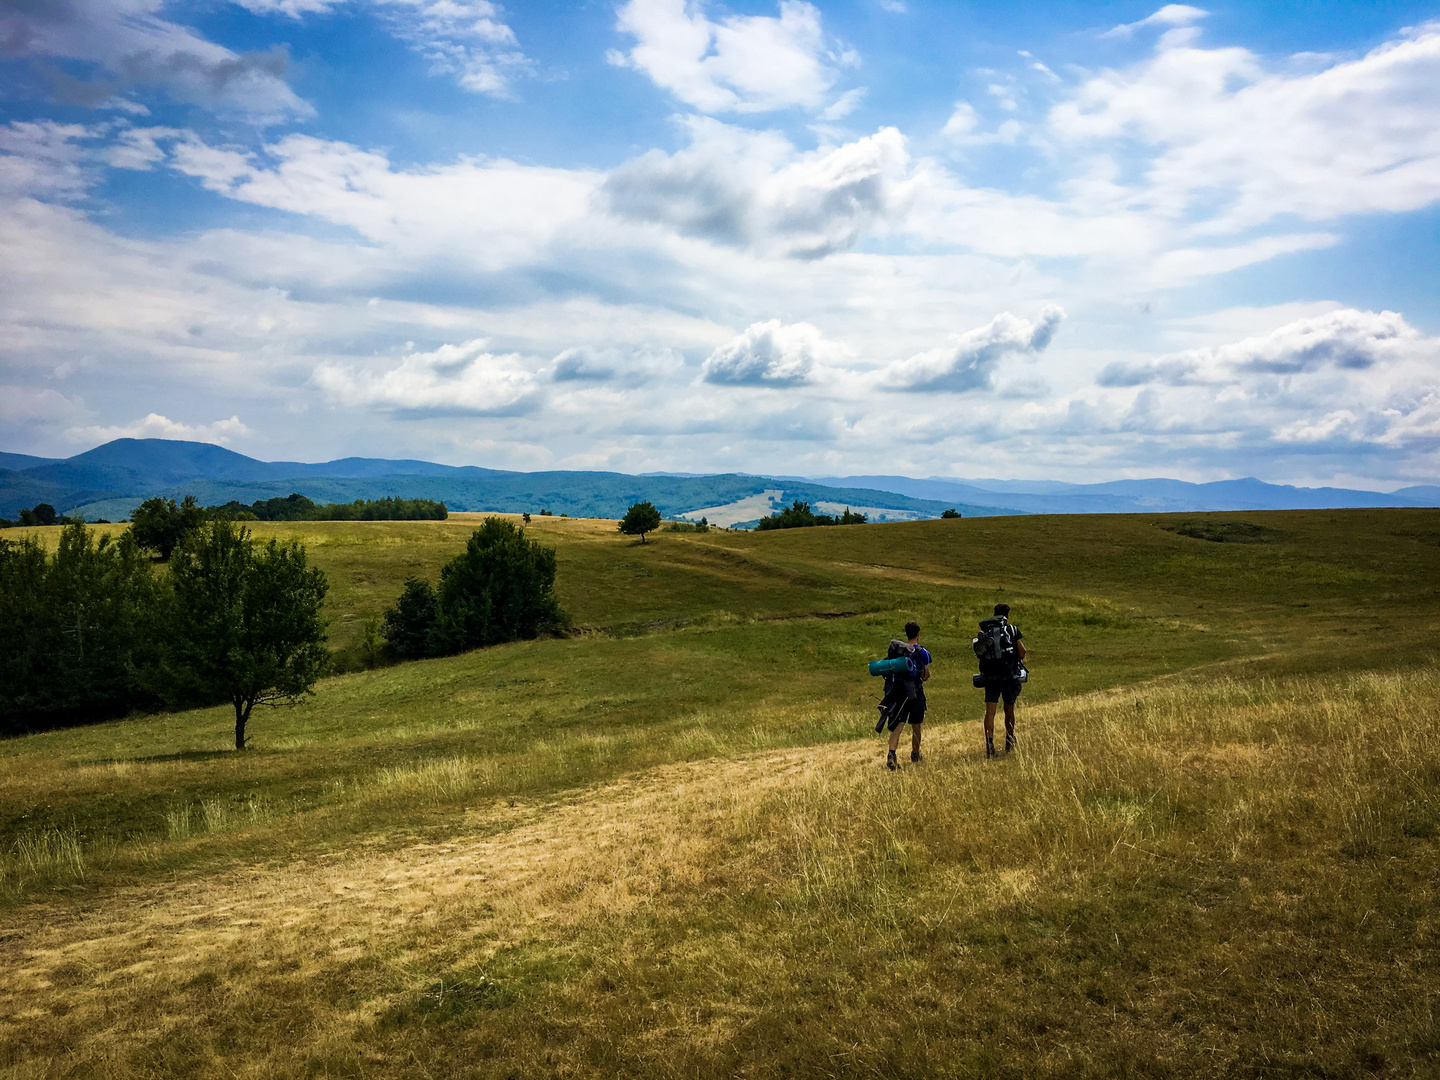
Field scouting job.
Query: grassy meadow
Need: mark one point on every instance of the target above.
(666, 845)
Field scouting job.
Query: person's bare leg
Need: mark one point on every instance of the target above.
(915, 740)
(895, 738)
(990, 729)
(1009, 726)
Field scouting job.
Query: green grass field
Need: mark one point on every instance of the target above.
(666, 845)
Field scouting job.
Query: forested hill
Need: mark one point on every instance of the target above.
(111, 480)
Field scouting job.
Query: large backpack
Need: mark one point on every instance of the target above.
(994, 646)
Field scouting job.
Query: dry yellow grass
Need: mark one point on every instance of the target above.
(1205, 876)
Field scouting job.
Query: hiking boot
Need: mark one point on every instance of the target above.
(915, 756)
(890, 762)
(989, 748)
(1010, 743)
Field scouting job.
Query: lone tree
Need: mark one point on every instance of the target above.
(245, 626)
(160, 525)
(640, 519)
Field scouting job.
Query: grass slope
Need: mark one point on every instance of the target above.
(665, 846)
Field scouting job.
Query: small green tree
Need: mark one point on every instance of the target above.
(160, 525)
(950, 514)
(640, 519)
(848, 518)
(245, 623)
(409, 623)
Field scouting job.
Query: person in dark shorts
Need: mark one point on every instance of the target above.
(1002, 681)
(905, 697)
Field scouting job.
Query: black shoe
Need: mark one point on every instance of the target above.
(915, 756)
(989, 747)
(890, 762)
(1010, 743)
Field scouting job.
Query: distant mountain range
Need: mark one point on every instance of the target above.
(1138, 496)
(111, 480)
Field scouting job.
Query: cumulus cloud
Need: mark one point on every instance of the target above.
(1345, 382)
(969, 361)
(156, 426)
(742, 63)
(768, 354)
(1346, 339)
(133, 45)
(753, 189)
(453, 380)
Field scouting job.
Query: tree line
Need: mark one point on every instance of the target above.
(296, 507)
(94, 632)
(168, 516)
(798, 515)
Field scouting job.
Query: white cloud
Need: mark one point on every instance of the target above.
(1347, 339)
(1345, 382)
(493, 211)
(464, 38)
(745, 188)
(453, 380)
(134, 46)
(845, 104)
(1355, 137)
(969, 361)
(741, 63)
(43, 158)
(293, 8)
(156, 426)
(1170, 15)
(769, 354)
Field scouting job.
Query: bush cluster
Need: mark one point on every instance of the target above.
(500, 588)
(798, 515)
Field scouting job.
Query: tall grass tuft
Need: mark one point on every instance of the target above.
(49, 857)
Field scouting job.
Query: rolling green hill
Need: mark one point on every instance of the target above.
(666, 845)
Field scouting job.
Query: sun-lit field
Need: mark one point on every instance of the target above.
(666, 844)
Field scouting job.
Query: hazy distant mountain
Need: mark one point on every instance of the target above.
(110, 480)
(22, 461)
(1132, 496)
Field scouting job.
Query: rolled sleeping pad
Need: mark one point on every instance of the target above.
(889, 667)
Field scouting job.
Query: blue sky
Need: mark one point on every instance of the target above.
(1068, 241)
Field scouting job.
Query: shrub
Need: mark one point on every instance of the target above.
(407, 625)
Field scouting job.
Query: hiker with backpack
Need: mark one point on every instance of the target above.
(1002, 672)
(906, 668)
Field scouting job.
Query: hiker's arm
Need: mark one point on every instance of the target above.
(1020, 649)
